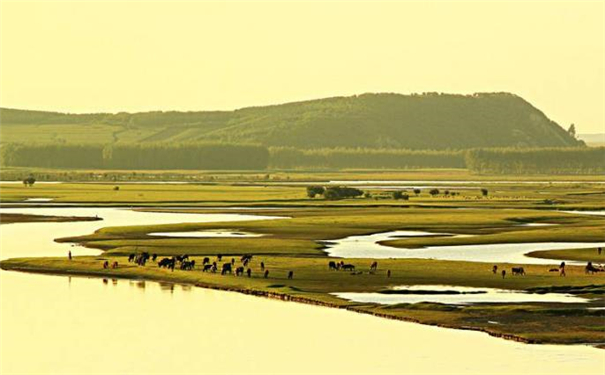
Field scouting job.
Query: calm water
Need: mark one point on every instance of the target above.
(40, 236)
(368, 246)
(468, 295)
(53, 324)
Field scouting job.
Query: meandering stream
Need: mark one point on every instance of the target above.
(67, 325)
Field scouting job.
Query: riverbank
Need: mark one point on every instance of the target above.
(540, 323)
(25, 218)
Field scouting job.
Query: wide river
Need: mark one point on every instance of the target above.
(63, 325)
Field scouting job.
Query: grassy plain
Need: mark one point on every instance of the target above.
(292, 245)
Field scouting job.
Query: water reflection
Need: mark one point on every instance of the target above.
(50, 327)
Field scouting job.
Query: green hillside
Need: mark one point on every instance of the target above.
(428, 121)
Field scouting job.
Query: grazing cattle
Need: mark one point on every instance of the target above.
(165, 262)
(114, 264)
(590, 269)
(131, 257)
(495, 269)
(142, 258)
(553, 270)
(562, 269)
(232, 261)
(207, 268)
(266, 273)
(599, 250)
(188, 265)
(262, 266)
(154, 257)
(182, 258)
(518, 271)
(239, 271)
(226, 268)
(348, 267)
(374, 266)
(388, 273)
(332, 265)
(290, 274)
(106, 264)
(219, 257)
(206, 260)
(246, 261)
(246, 258)
(503, 274)
(249, 272)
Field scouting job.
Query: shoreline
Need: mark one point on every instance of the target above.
(283, 297)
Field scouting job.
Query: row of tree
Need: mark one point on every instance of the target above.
(581, 160)
(137, 156)
(221, 156)
(333, 192)
(363, 158)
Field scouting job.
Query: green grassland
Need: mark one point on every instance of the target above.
(229, 191)
(291, 244)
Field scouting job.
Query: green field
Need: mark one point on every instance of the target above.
(292, 245)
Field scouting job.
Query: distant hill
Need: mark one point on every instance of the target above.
(427, 121)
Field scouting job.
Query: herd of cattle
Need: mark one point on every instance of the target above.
(184, 263)
(520, 271)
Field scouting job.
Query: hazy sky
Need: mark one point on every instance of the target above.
(83, 56)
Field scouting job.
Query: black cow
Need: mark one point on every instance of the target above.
(226, 268)
(518, 271)
(188, 265)
(239, 271)
(290, 274)
(206, 260)
(348, 267)
(166, 262)
(207, 268)
(332, 265)
(374, 266)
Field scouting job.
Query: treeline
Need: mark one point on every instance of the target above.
(290, 158)
(219, 156)
(135, 156)
(584, 160)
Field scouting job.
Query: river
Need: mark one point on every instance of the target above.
(53, 324)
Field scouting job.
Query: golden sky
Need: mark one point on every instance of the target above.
(85, 56)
